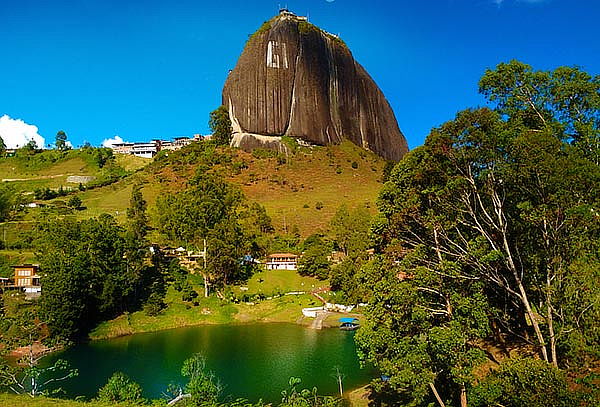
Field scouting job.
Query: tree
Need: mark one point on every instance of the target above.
(202, 387)
(351, 230)
(525, 382)
(566, 99)
(226, 248)
(220, 125)
(314, 262)
(2, 145)
(61, 140)
(120, 388)
(30, 146)
(483, 230)
(7, 199)
(74, 202)
(84, 274)
(207, 209)
(34, 380)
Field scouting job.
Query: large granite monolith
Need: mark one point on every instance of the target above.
(294, 79)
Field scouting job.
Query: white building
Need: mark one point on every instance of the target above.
(282, 261)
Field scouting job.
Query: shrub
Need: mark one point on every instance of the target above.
(524, 382)
(120, 388)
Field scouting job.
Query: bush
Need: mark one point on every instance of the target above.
(354, 165)
(120, 388)
(524, 382)
(74, 202)
(154, 305)
(319, 205)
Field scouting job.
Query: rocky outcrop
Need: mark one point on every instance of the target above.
(296, 80)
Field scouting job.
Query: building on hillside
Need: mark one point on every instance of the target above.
(189, 259)
(27, 278)
(180, 142)
(145, 150)
(122, 148)
(282, 261)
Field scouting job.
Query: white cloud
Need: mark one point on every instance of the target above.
(110, 141)
(16, 133)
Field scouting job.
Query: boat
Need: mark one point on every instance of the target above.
(349, 324)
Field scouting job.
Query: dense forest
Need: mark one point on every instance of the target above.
(485, 291)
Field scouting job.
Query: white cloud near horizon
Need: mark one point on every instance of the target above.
(16, 133)
(110, 141)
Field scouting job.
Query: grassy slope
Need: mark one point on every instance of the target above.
(287, 308)
(28, 175)
(289, 191)
(26, 401)
(284, 189)
(311, 177)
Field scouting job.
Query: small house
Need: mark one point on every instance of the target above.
(27, 278)
(282, 261)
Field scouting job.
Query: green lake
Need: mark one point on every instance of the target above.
(251, 361)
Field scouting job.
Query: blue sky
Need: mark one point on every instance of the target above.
(147, 69)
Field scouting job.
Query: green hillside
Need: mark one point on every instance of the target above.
(27, 172)
(300, 192)
(291, 188)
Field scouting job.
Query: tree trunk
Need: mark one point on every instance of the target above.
(525, 299)
(437, 396)
(205, 285)
(463, 396)
(550, 321)
(536, 326)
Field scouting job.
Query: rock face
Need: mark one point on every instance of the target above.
(296, 80)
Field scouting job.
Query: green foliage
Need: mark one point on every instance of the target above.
(7, 202)
(32, 379)
(566, 99)
(295, 397)
(2, 145)
(493, 219)
(121, 388)
(524, 383)
(74, 202)
(265, 27)
(188, 216)
(61, 141)
(6, 270)
(220, 125)
(92, 270)
(314, 262)
(350, 230)
(203, 387)
(305, 28)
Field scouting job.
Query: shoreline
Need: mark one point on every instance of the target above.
(214, 312)
(300, 321)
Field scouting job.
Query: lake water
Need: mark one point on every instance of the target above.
(252, 361)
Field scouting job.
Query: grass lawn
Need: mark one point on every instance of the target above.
(26, 401)
(287, 308)
(271, 282)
